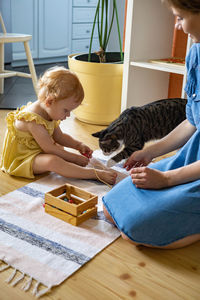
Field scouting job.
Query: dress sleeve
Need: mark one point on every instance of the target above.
(192, 84)
(191, 64)
(30, 116)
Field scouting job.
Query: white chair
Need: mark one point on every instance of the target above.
(14, 38)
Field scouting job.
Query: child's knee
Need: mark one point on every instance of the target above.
(48, 162)
(52, 160)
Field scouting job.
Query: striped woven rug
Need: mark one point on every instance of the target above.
(40, 245)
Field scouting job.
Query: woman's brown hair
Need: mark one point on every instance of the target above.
(192, 6)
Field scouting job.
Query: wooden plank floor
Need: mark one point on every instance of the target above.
(121, 271)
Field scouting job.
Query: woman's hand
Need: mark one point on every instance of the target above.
(147, 178)
(137, 159)
(85, 150)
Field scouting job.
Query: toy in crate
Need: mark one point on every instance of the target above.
(71, 204)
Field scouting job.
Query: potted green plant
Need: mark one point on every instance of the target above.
(100, 72)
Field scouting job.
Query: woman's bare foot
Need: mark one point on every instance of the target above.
(107, 176)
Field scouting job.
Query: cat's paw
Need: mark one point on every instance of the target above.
(111, 163)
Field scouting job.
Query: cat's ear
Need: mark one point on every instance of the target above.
(97, 134)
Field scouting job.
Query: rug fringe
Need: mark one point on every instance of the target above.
(35, 290)
(11, 276)
(27, 284)
(38, 293)
(5, 267)
(42, 292)
(18, 279)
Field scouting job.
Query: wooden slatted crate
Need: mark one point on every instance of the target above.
(82, 208)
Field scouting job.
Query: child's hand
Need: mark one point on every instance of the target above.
(85, 150)
(138, 159)
(82, 160)
(146, 178)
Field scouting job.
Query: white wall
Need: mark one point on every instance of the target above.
(113, 45)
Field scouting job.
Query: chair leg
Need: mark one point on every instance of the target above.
(31, 65)
(1, 67)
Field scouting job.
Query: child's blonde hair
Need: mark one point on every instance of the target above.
(59, 83)
(192, 6)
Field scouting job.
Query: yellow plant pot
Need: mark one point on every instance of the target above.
(102, 85)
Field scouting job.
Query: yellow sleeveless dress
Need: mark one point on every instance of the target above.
(19, 147)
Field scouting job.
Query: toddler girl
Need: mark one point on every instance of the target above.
(159, 205)
(34, 142)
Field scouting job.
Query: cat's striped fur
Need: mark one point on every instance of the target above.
(137, 125)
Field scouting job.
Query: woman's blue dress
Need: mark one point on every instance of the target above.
(160, 217)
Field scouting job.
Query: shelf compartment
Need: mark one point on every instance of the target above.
(171, 68)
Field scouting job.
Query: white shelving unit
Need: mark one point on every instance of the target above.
(149, 35)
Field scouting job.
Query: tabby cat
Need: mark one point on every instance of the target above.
(137, 125)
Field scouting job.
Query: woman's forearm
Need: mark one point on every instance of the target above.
(184, 174)
(174, 140)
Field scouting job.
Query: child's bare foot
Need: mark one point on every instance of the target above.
(98, 165)
(107, 176)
